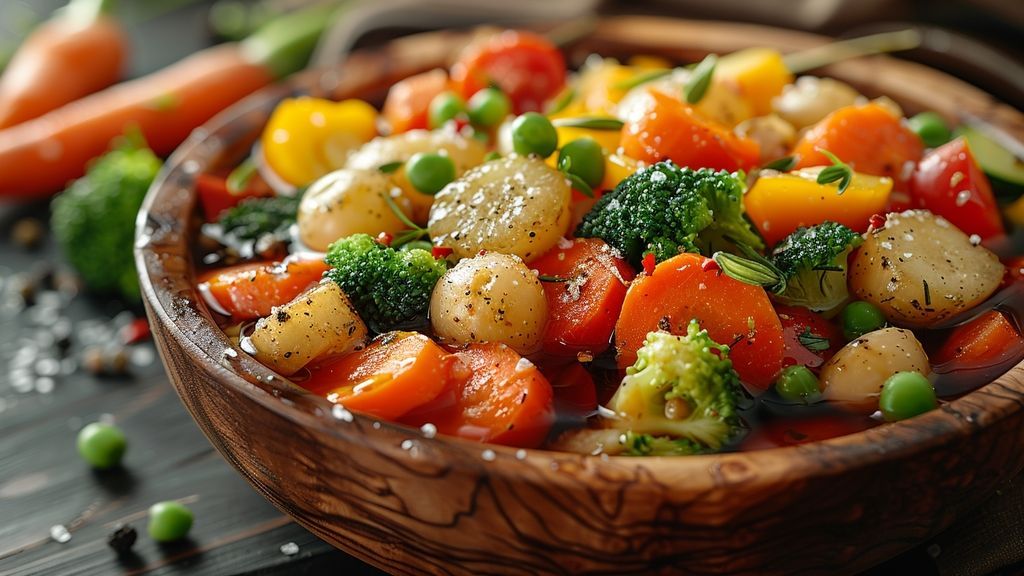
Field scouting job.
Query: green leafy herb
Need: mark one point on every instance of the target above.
(813, 342)
(699, 82)
(415, 231)
(561, 102)
(839, 171)
(590, 123)
(548, 278)
(390, 167)
(642, 78)
(757, 271)
(238, 179)
(784, 164)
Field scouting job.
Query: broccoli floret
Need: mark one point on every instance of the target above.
(93, 220)
(682, 392)
(648, 445)
(813, 262)
(389, 288)
(255, 217)
(665, 209)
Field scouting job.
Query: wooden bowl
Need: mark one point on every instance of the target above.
(410, 503)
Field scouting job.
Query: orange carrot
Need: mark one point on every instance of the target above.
(670, 129)
(506, 400)
(74, 54)
(250, 291)
(582, 311)
(686, 287)
(985, 341)
(397, 372)
(408, 101)
(868, 137)
(41, 156)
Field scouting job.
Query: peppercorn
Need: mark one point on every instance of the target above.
(122, 538)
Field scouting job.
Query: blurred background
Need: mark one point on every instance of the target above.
(976, 40)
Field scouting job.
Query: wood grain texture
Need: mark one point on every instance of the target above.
(411, 504)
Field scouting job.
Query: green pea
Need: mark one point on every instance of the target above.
(532, 133)
(859, 318)
(931, 127)
(584, 158)
(429, 172)
(906, 394)
(102, 445)
(444, 107)
(417, 244)
(488, 107)
(797, 383)
(169, 521)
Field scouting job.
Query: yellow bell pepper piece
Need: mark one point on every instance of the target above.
(616, 168)
(306, 137)
(780, 203)
(759, 74)
(1015, 212)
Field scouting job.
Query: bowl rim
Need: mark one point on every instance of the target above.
(953, 421)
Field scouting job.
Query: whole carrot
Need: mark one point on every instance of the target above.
(75, 53)
(39, 157)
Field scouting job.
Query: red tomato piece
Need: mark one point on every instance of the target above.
(215, 197)
(949, 182)
(810, 339)
(582, 311)
(526, 66)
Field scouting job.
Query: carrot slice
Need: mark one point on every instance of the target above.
(985, 341)
(582, 311)
(683, 288)
(397, 372)
(408, 101)
(668, 128)
(506, 400)
(249, 291)
(868, 137)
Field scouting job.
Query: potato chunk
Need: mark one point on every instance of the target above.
(920, 269)
(854, 377)
(490, 298)
(515, 205)
(464, 152)
(318, 323)
(347, 202)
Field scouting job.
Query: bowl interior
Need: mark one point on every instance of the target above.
(168, 223)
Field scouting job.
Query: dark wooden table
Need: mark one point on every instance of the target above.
(44, 484)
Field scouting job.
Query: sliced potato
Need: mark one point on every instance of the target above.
(347, 202)
(920, 269)
(810, 99)
(464, 152)
(490, 298)
(319, 323)
(854, 377)
(515, 205)
(774, 135)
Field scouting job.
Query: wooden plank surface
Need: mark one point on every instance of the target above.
(43, 483)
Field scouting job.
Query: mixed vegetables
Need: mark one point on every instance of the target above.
(631, 259)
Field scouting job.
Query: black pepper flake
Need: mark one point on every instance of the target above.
(122, 538)
(927, 293)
